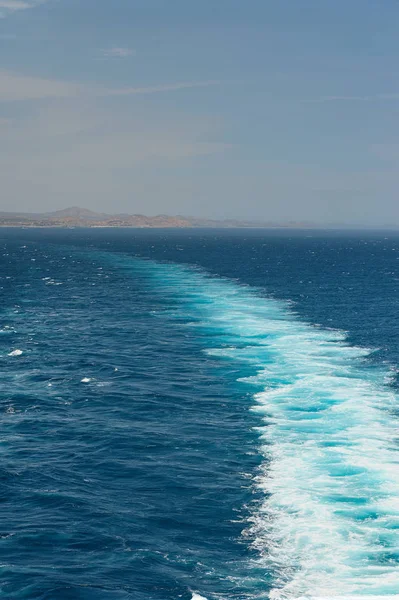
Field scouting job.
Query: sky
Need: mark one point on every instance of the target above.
(272, 110)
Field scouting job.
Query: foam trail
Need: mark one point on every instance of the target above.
(328, 526)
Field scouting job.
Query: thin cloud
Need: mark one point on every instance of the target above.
(14, 4)
(119, 52)
(8, 7)
(16, 87)
(168, 87)
(371, 98)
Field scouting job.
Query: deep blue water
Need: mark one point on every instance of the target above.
(198, 412)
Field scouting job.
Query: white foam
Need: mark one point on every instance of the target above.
(16, 352)
(328, 524)
(357, 597)
(197, 597)
(85, 380)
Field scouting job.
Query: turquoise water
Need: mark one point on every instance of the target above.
(212, 414)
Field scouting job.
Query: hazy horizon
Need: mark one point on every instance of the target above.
(269, 111)
(241, 221)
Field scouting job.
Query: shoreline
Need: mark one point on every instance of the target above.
(208, 227)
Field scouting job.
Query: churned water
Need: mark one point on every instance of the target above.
(199, 414)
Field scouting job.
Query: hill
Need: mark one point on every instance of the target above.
(74, 216)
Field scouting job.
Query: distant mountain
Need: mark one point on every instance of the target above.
(75, 212)
(74, 216)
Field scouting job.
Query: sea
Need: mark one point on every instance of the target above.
(199, 414)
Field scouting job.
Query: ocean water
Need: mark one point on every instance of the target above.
(199, 414)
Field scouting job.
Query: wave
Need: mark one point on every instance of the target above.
(16, 352)
(328, 525)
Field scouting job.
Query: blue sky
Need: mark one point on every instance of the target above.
(279, 110)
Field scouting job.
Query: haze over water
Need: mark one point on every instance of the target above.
(207, 413)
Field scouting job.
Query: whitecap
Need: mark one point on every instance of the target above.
(16, 352)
